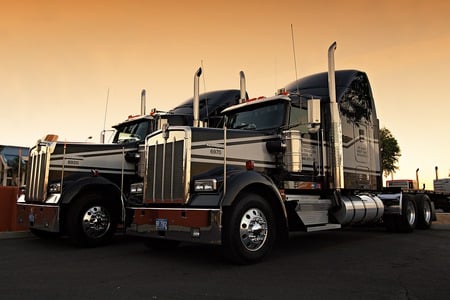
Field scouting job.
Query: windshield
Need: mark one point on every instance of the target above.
(267, 117)
(131, 132)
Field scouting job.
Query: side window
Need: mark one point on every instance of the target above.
(356, 101)
(298, 119)
(142, 130)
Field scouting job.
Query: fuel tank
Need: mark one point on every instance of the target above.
(359, 209)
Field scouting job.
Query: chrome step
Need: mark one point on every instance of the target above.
(323, 227)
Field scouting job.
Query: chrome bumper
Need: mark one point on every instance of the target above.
(191, 225)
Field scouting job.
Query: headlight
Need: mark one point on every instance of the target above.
(205, 185)
(54, 188)
(137, 188)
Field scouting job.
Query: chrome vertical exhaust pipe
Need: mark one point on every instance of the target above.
(243, 87)
(336, 153)
(196, 104)
(143, 102)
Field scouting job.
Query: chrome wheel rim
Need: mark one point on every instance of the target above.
(96, 222)
(427, 211)
(253, 229)
(411, 213)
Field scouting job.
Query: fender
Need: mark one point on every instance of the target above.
(95, 184)
(243, 180)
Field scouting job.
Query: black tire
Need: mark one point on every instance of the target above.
(249, 230)
(407, 221)
(424, 212)
(90, 221)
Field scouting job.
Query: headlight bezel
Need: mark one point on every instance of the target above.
(205, 185)
(137, 188)
(54, 188)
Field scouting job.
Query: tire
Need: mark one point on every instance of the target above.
(424, 213)
(249, 230)
(90, 221)
(407, 221)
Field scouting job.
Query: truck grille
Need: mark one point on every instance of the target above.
(166, 179)
(37, 174)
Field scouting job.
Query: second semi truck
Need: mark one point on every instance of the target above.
(80, 189)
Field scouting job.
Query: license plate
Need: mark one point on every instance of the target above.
(161, 224)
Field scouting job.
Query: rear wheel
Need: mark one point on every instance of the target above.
(91, 222)
(407, 221)
(249, 230)
(424, 213)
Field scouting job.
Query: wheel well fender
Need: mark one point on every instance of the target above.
(96, 185)
(254, 182)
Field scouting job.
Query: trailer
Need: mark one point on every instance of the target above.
(306, 159)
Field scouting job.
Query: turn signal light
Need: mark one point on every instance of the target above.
(250, 165)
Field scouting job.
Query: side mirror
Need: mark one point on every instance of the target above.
(313, 115)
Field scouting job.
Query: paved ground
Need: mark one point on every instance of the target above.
(356, 263)
(443, 218)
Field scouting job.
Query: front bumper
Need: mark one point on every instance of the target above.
(43, 217)
(191, 225)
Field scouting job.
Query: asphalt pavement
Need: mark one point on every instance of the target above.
(353, 263)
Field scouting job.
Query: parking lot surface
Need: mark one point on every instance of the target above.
(354, 263)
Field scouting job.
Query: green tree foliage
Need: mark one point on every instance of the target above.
(390, 152)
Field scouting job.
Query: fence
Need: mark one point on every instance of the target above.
(8, 211)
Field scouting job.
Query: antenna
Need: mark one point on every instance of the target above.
(104, 119)
(295, 59)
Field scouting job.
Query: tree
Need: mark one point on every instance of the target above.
(390, 152)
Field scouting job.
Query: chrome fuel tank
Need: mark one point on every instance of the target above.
(359, 209)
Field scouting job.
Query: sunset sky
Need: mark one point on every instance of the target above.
(59, 59)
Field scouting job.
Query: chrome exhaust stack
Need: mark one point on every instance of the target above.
(143, 100)
(336, 151)
(243, 87)
(196, 104)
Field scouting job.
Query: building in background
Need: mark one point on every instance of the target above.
(13, 165)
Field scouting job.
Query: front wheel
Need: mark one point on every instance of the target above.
(249, 230)
(91, 222)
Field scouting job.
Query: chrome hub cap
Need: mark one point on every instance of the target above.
(410, 213)
(96, 222)
(427, 211)
(253, 230)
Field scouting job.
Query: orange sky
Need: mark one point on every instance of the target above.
(59, 58)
